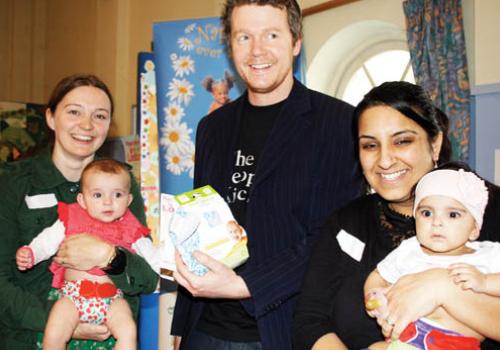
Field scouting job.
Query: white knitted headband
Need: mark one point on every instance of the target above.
(463, 186)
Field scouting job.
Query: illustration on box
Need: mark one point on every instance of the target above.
(200, 220)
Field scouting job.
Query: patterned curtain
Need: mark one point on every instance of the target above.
(437, 49)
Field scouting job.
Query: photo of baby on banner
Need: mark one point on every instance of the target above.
(219, 90)
(199, 220)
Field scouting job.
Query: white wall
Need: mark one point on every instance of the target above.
(318, 28)
(486, 41)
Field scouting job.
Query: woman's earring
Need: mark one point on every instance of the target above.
(435, 164)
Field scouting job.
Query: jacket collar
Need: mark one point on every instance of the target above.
(45, 173)
(290, 123)
(287, 129)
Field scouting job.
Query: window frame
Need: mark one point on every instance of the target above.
(356, 63)
(338, 58)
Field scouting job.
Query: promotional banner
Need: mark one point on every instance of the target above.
(194, 76)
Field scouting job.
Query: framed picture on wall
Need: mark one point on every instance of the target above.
(22, 128)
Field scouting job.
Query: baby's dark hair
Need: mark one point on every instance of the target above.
(107, 166)
(209, 82)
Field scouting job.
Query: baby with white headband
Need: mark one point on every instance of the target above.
(448, 209)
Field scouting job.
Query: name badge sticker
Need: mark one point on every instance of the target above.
(40, 201)
(350, 245)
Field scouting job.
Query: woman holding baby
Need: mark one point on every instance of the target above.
(401, 136)
(79, 113)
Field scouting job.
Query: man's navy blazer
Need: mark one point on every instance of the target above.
(306, 169)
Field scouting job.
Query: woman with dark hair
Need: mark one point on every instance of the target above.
(79, 114)
(401, 136)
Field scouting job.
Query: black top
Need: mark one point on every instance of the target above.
(256, 125)
(332, 295)
(227, 319)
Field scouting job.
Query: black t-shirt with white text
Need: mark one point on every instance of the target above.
(223, 318)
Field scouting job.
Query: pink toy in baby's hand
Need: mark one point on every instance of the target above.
(376, 303)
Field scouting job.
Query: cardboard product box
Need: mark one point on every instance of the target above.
(200, 220)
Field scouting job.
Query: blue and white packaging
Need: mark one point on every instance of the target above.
(200, 220)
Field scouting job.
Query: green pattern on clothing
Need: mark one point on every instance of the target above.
(398, 345)
(82, 344)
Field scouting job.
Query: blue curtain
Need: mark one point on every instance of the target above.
(437, 48)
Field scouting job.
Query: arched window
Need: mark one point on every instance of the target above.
(387, 65)
(359, 57)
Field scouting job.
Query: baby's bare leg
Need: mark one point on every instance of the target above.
(63, 319)
(121, 324)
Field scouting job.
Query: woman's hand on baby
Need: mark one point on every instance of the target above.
(24, 258)
(88, 331)
(468, 277)
(414, 296)
(83, 252)
(219, 282)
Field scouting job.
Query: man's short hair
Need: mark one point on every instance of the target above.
(292, 8)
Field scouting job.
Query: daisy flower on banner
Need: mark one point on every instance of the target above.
(175, 135)
(188, 160)
(174, 111)
(180, 90)
(174, 161)
(183, 65)
(189, 28)
(185, 44)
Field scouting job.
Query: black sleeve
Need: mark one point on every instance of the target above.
(490, 230)
(331, 300)
(313, 316)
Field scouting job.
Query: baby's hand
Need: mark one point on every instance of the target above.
(376, 303)
(24, 258)
(468, 277)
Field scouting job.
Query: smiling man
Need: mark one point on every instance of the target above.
(283, 158)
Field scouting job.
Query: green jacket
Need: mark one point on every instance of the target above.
(23, 295)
